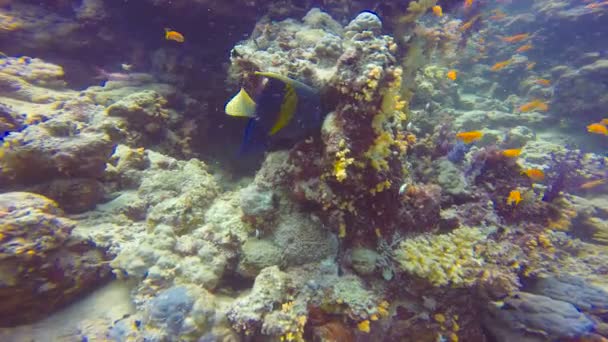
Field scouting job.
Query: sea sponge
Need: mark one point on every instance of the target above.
(442, 259)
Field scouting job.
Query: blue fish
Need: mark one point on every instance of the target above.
(284, 110)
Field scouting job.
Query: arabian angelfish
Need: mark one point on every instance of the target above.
(285, 109)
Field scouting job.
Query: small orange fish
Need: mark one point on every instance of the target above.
(543, 82)
(498, 15)
(593, 184)
(514, 197)
(469, 137)
(524, 48)
(438, 11)
(530, 65)
(596, 5)
(516, 38)
(534, 105)
(597, 128)
(512, 153)
(500, 65)
(536, 175)
(468, 3)
(604, 122)
(452, 74)
(174, 35)
(469, 23)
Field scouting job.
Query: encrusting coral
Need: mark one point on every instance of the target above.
(443, 259)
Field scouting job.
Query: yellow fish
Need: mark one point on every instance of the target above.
(452, 75)
(534, 174)
(469, 137)
(500, 65)
(597, 128)
(534, 105)
(514, 197)
(437, 10)
(543, 82)
(512, 153)
(524, 48)
(592, 184)
(174, 35)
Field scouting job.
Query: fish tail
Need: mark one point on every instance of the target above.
(247, 136)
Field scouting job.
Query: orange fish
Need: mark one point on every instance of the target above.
(543, 82)
(469, 137)
(534, 105)
(604, 122)
(536, 175)
(512, 153)
(174, 35)
(524, 48)
(514, 197)
(500, 65)
(593, 184)
(597, 128)
(468, 3)
(438, 11)
(469, 23)
(596, 5)
(530, 65)
(498, 15)
(516, 38)
(452, 74)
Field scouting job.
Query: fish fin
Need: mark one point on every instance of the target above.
(288, 108)
(241, 105)
(286, 80)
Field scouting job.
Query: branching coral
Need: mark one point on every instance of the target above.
(442, 259)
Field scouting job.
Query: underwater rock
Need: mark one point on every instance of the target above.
(179, 195)
(146, 115)
(581, 93)
(40, 260)
(60, 137)
(269, 289)
(301, 238)
(74, 195)
(529, 317)
(10, 120)
(363, 261)
(169, 309)
(256, 202)
(183, 311)
(257, 255)
(518, 137)
(365, 21)
(451, 179)
(46, 28)
(421, 207)
(573, 290)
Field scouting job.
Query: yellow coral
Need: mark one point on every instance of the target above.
(381, 187)
(342, 231)
(363, 326)
(442, 259)
(383, 308)
(342, 162)
(391, 114)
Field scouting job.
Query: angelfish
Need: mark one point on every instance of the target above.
(285, 109)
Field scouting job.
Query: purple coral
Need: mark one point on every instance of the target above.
(565, 169)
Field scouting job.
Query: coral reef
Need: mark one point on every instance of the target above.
(385, 225)
(43, 266)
